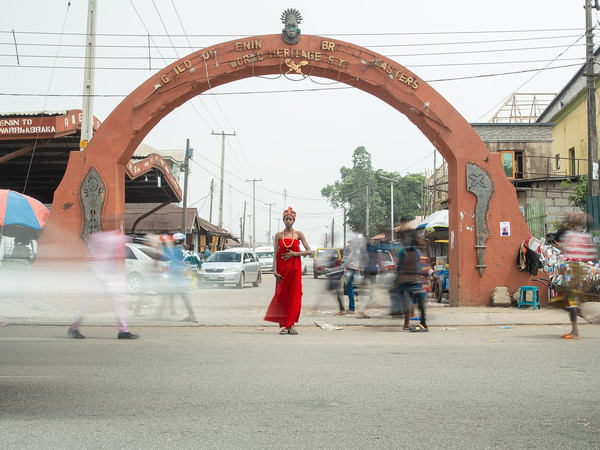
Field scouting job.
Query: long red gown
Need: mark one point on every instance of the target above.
(287, 301)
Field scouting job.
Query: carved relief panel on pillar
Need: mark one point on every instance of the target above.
(480, 183)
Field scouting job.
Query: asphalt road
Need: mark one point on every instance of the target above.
(248, 387)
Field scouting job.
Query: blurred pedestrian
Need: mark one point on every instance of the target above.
(285, 306)
(578, 248)
(107, 250)
(334, 284)
(408, 283)
(178, 284)
(165, 241)
(370, 279)
(190, 256)
(22, 250)
(193, 259)
(355, 260)
(206, 252)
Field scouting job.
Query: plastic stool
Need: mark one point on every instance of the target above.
(535, 297)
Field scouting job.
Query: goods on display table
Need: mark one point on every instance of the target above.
(579, 248)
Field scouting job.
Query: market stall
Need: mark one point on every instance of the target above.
(434, 229)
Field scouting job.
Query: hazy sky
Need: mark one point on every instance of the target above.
(292, 134)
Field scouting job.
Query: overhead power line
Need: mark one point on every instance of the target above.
(145, 58)
(406, 33)
(175, 47)
(488, 41)
(282, 91)
(470, 77)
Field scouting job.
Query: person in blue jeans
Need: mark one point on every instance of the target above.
(407, 285)
(355, 261)
(371, 270)
(350, 290)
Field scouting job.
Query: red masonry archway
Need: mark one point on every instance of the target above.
(480, 195)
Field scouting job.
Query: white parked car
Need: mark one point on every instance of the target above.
(145, 268)
(265, 257)
(307, 261)
(386, 276)
(234, 266)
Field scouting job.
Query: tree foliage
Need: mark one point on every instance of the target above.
(579, 193)
(361, 183)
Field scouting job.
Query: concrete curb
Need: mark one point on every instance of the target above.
(437, 317)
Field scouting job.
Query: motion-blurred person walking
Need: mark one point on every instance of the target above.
(334, 285)
(408, 283)
(578, 248)
(178, 284)
(107, 250)
(354, 262)
(368, 285)
(206, 252)
(193, 259)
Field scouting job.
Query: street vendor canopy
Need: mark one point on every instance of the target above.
(21, 210)
(438, 219)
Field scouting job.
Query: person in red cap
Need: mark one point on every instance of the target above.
(285, 306)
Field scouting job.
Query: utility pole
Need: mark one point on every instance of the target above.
(367, 210)
(392, 181)
(186, 169)
(285, 198)
(423, 189)
(223, 134)
(332, 233)
(249, 235)
(269, 235)
(344, 227)
(254, 210)
(87, 113)
(434, 182)
(244, 224)
(591, 97)
(212, 192)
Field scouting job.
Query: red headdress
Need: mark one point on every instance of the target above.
(289, 212)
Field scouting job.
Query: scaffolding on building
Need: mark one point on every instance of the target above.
(522, 108)
(435, 189)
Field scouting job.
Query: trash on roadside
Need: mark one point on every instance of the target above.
(448, 328)
(505, 328)
(497, 340)
(260, 329)
(328, 326)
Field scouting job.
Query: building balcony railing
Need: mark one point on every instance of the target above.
(546, 167)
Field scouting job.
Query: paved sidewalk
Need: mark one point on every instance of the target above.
(439, 315)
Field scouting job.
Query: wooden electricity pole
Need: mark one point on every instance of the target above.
(592, 147)
(186, 169)
(212, 193)
(222, 134)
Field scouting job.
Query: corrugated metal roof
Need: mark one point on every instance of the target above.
(145, 150)
(34, 113)
(167, 218)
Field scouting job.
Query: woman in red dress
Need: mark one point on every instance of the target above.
(287, 268)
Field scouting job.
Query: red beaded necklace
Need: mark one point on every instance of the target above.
(283, 239)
